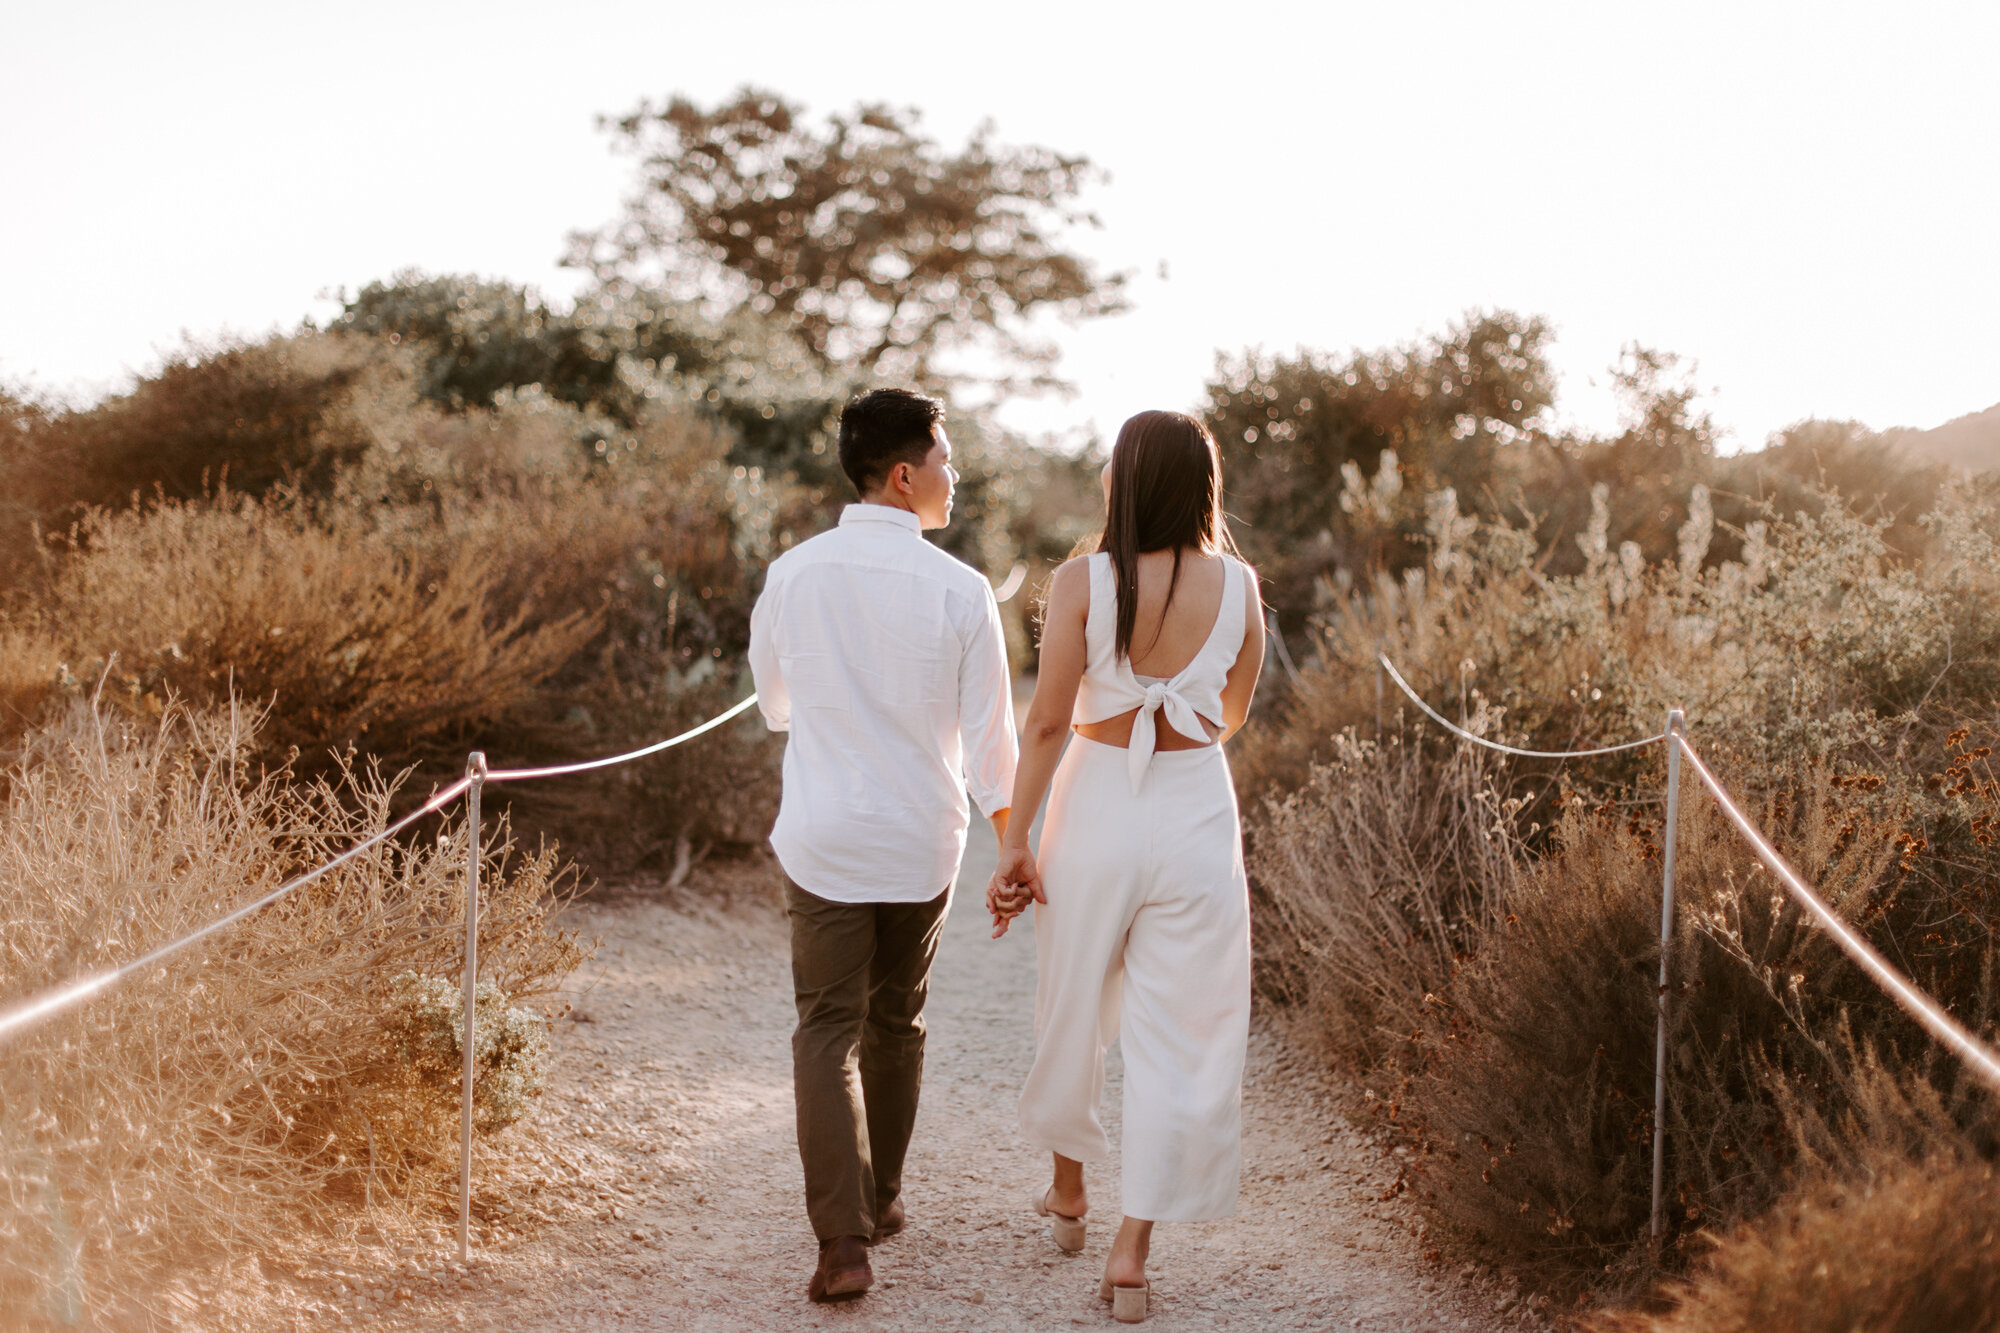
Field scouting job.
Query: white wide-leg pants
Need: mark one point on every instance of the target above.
(1146, 937)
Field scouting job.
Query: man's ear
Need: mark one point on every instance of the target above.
(899, 477)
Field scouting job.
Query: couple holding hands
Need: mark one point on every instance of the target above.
(884, 659)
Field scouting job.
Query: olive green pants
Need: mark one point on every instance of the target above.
(861, 973)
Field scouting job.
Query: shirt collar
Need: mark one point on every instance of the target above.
(872, 513)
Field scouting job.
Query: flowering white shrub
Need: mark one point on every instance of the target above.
(510, 1045)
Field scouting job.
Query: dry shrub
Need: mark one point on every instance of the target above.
(1375, 879)
(668, 541)
(1914, 1248)
(1815, 644)
(1824, 679)
(250, 1079)
(357, 639)
(1894, 1225)
(479, 581)
(1527, 1093)
(29, 679)
(1455, 630)
(288, 410)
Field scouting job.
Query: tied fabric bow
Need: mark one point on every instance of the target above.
(1146, 731)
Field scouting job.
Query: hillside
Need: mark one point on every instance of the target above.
(1971, 442)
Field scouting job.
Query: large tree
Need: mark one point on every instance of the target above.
(878, 247)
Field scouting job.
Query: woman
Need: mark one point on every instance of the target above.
(1150, 652)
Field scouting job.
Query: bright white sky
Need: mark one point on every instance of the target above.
(1805, 198)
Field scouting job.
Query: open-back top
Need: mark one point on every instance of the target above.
(1110, 688)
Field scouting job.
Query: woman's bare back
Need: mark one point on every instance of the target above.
(1167, 636)
(1164, 644)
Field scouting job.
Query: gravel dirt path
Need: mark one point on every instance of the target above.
(689, 1215)
(657, 1184)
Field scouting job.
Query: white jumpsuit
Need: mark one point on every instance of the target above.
(1146, 932)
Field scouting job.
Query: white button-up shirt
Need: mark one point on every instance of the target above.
(885, 660)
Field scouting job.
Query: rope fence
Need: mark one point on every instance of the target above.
(1451, 726)
(1978, 1057)
(563, 770)
(1941, 1026)
(27, 1013)
(33, 1010)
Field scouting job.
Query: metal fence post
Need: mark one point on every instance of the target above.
(1676, 724)
(475, 775)
(1378, 693)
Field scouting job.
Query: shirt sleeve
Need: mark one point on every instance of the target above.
(986, 711)
(774, 700)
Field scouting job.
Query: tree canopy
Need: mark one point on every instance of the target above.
(877, 246)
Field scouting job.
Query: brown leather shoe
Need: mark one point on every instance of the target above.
(888, 1223)
(843, 1271)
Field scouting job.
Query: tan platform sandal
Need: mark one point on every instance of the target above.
(1128, 1304)
(1068, 1231)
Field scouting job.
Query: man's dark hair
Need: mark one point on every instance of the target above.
(882, 428)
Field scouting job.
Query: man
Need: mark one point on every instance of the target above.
(885, 660)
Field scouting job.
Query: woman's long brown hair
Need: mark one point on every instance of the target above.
(1166, 493)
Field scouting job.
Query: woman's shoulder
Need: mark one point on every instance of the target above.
(1077, 569)
(1073, 587)
(1253, 589)
(1229, 560)
(1072, 577)
(1249, 570)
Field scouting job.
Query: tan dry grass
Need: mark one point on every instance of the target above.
(1501, 1015)
(244, 1083)
(1907, 1247)
(1824, 682)
(29, 679)
(474, 581)
(1528, 1098)
(1376, 878)
(361, 639)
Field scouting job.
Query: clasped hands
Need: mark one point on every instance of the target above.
(1016, 882)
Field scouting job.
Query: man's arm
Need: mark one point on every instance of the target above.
(986, 715)
(774, 701)
(1064, 654)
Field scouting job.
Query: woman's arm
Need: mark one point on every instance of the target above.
(1241, 684)
(1061, 671)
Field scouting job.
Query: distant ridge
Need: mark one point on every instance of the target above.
(1970, 442)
